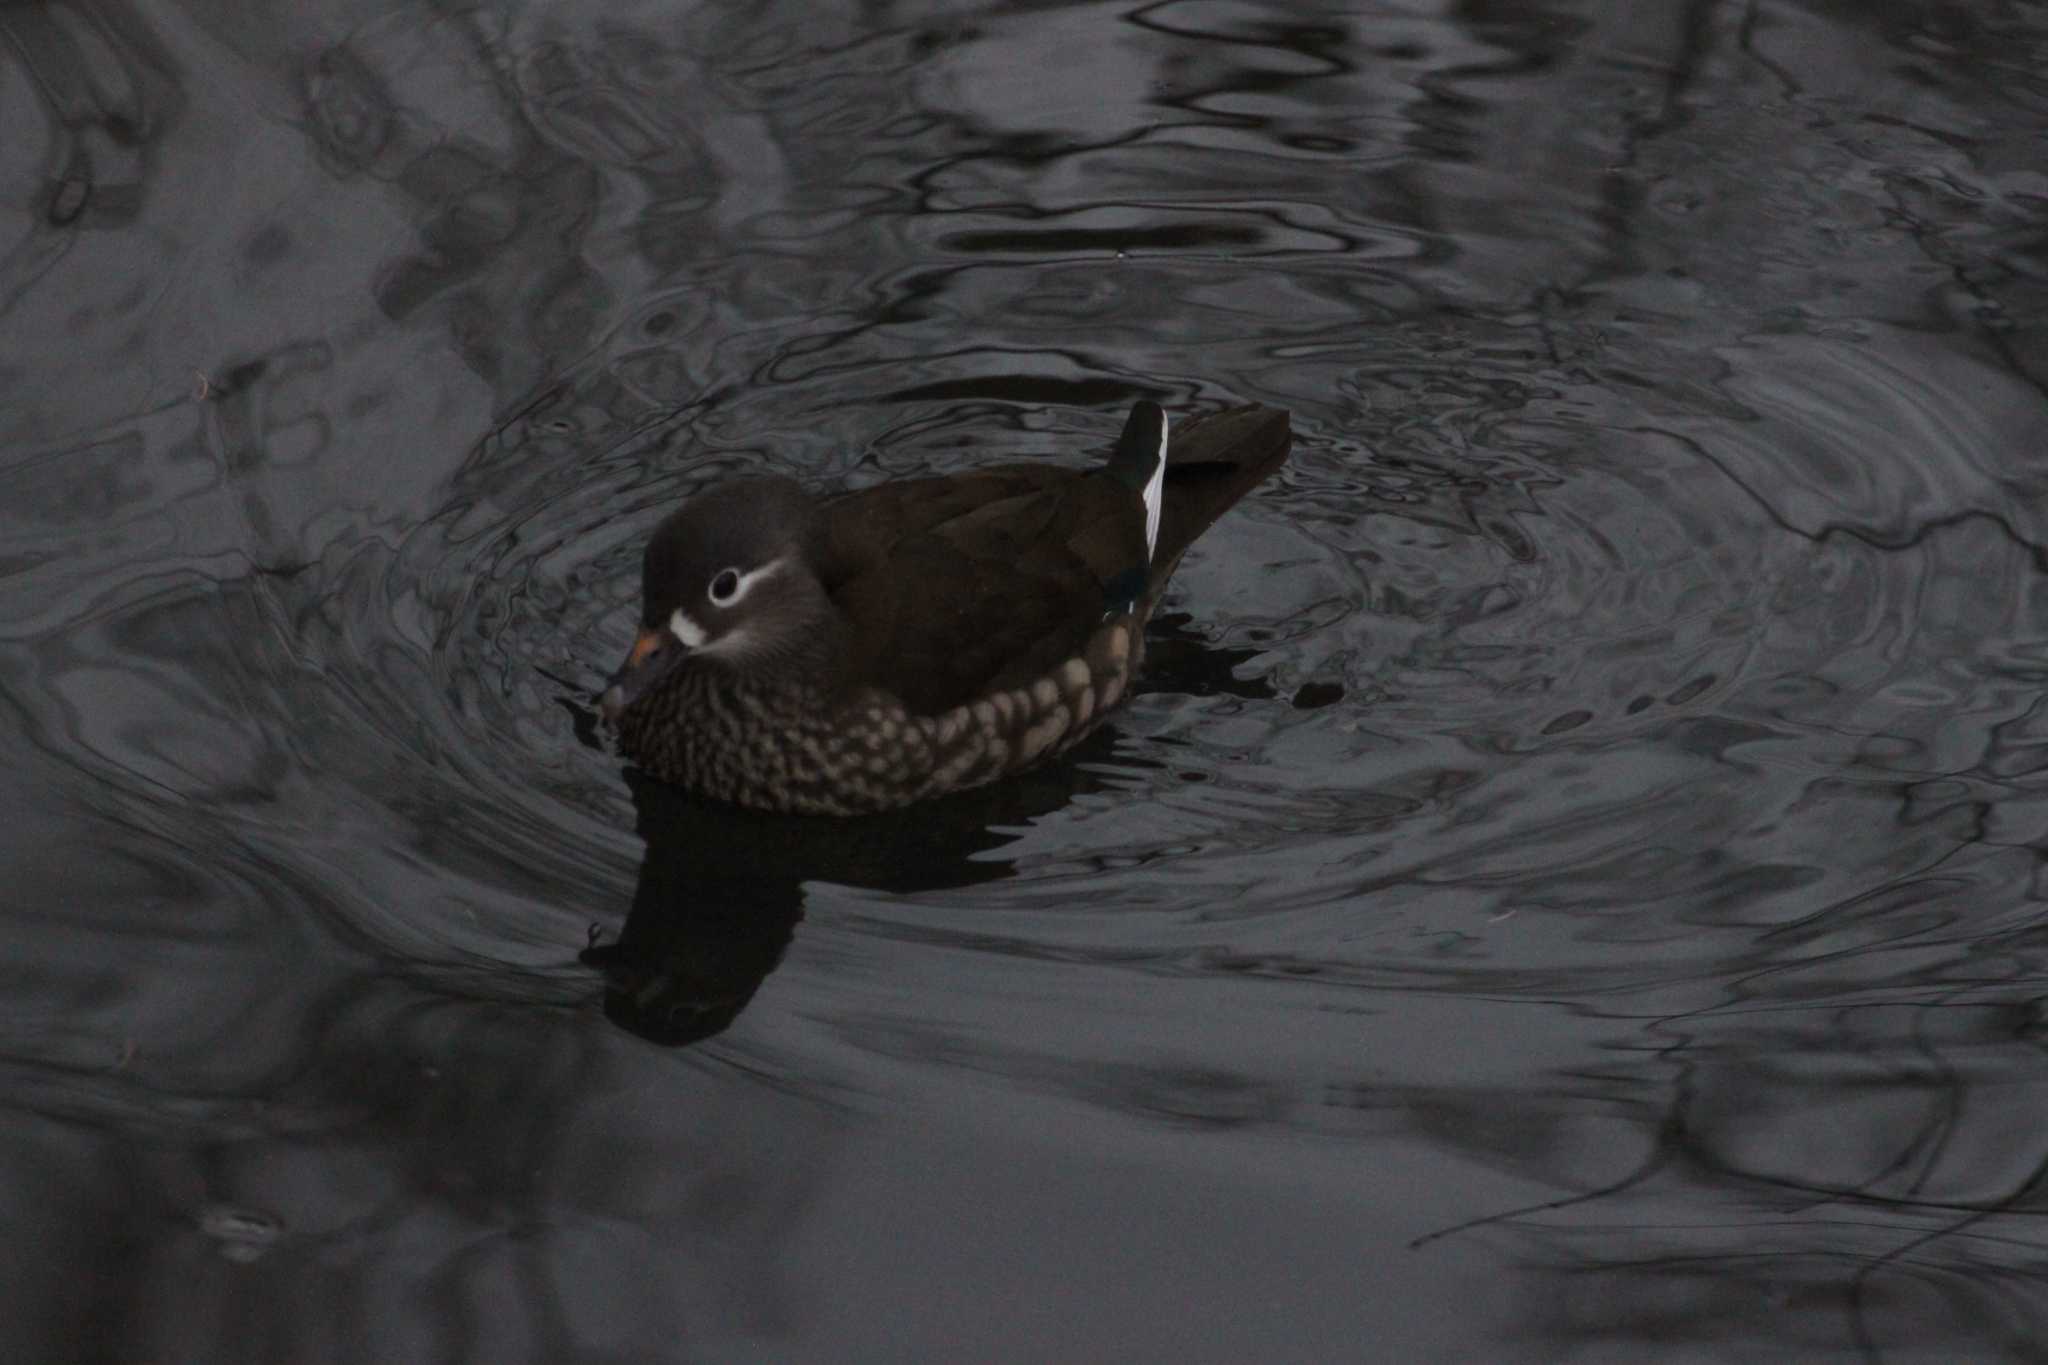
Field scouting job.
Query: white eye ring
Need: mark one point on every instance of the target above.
(728, 586)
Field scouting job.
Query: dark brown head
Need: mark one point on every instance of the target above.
(725, 582)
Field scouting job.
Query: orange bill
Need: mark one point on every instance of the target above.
(643, 645)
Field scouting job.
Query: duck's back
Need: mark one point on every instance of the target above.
(960, 585)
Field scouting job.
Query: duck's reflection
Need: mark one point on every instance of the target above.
(721, 889)
(711, 917)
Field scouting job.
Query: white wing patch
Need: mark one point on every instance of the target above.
(1155, 492)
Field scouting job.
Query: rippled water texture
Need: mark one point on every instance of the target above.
(1570, 887)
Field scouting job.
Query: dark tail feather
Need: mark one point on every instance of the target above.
(1212, 461)
(1136, 456)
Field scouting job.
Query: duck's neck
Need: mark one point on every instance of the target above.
(809, 661)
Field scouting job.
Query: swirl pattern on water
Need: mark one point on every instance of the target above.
(1594, 788)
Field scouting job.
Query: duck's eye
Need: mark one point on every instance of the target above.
(725, 586)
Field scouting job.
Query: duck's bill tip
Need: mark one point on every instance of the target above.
(653, 654)
(644, 644)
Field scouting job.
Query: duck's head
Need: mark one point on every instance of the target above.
(726, 580)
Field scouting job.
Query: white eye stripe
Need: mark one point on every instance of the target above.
(744, 584)
(683, 628)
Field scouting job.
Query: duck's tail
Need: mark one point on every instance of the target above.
(1211, 463)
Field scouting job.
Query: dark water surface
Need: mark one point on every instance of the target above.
(1570, 889)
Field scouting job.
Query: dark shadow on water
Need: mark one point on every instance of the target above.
(721, 889)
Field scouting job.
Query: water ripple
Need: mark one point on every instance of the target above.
(1580, 820)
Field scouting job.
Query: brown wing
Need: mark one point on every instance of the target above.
(957, 585)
